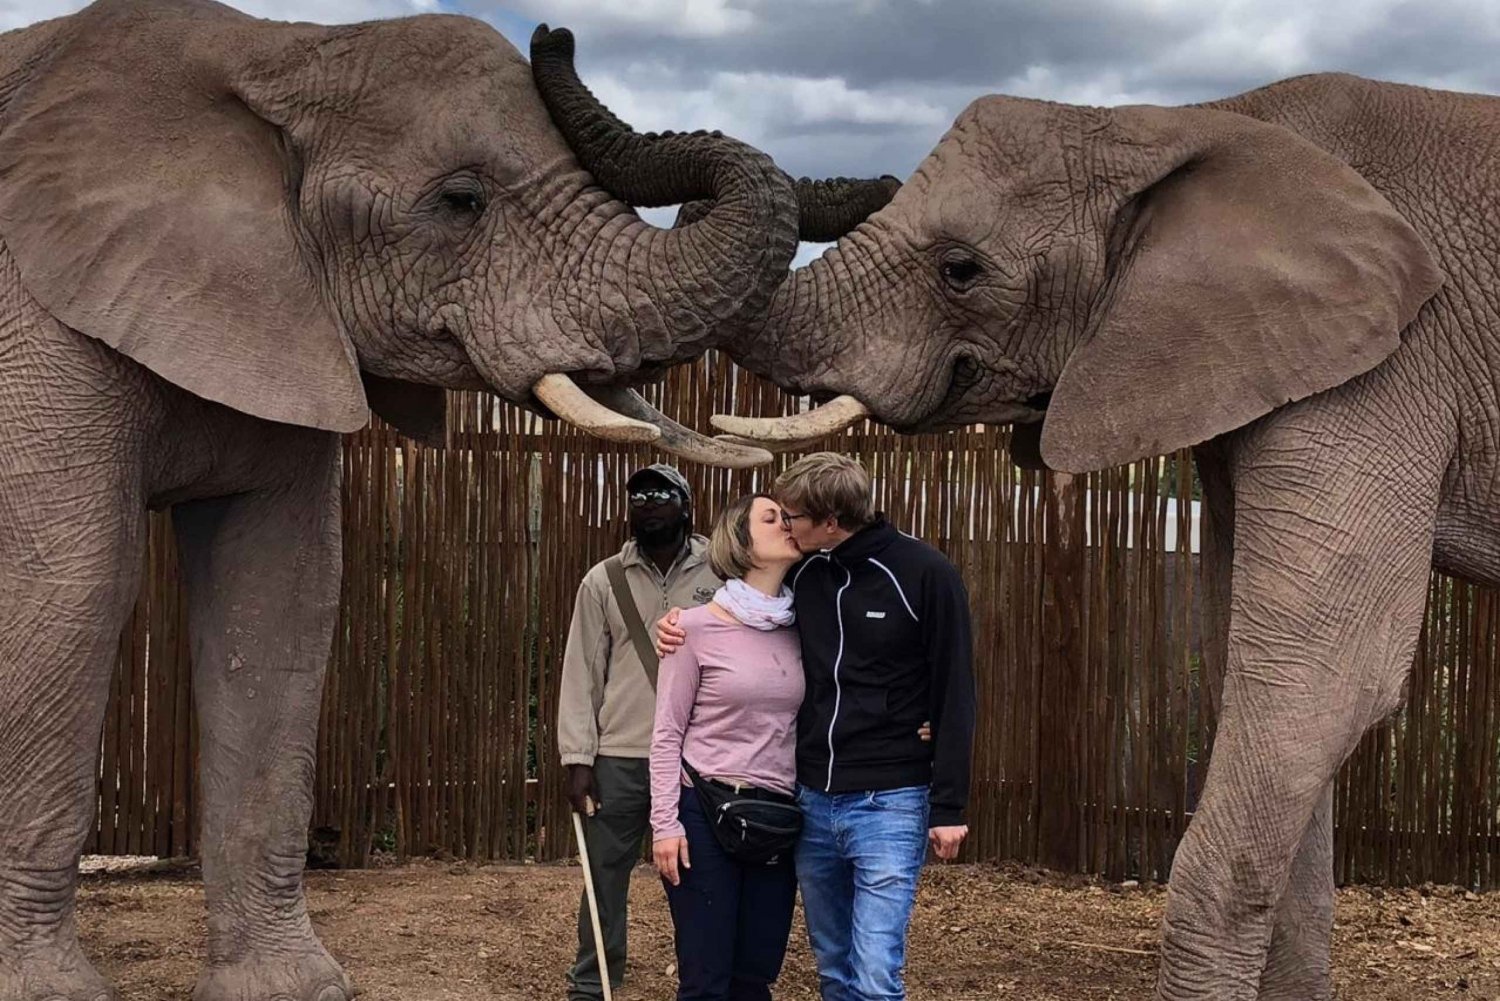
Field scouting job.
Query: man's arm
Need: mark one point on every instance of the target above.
(585, 666)
(950, 649)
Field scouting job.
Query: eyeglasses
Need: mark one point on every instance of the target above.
(787, 519)
(640, 498)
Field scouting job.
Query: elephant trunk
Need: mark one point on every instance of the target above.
(682, 286)
(827, 209)
(793, 345)
(796, 346)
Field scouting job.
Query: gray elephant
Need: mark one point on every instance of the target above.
(224, 241)
(1300, 282)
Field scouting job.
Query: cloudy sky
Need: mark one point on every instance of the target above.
(868, 86)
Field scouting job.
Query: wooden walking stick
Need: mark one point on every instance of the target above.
(588, 889)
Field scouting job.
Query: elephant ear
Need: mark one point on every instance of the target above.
(1250, 270)
(417, 411)
(149, 205)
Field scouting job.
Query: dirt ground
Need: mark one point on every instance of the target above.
(450, 931)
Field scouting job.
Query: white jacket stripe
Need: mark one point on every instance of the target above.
(898, 588)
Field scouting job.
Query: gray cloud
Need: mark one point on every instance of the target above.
(868, 86)
(1180, 49)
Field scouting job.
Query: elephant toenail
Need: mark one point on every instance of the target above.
(332, 994)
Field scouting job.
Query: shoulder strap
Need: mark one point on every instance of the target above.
(615, 568)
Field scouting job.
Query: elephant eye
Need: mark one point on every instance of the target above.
(959, 273)
(464, 202)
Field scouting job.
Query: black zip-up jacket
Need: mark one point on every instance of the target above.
(886, 644)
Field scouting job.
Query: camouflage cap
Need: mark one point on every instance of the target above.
(665, 472)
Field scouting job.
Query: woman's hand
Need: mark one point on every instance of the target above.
(666, 853)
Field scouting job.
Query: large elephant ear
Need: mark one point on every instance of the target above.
(1250, 270)
(148, 204)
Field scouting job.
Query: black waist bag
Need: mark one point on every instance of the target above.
(753, 826)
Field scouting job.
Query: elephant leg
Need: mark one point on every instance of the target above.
(1297, 963)
(1331, 559)
(262, 574)
(1297, 966)
(72, 536)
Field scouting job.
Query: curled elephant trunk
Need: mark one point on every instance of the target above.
(827, 209)
(728, 252)
(697, 281)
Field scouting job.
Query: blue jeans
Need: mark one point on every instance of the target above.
(857, 866)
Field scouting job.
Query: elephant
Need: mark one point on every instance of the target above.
(223, 242)
(1299, 284)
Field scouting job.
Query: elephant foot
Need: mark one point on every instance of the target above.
(1315, 993)
(1311, 986)
(304, 975)
(65, 976)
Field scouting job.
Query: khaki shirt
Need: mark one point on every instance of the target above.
(607, 705)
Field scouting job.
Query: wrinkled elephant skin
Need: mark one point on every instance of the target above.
(1298, 282)
(222, 241)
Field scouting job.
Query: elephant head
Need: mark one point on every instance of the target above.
(300, 221)
(825, 209)
(1125, 281)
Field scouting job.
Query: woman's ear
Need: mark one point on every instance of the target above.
(1252, 269)
(147, 204)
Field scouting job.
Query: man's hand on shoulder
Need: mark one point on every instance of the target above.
(669, 635)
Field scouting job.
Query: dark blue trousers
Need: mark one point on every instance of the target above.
(732, 920)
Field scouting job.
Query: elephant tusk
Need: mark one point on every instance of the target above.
(799, 445)
(562, 396)
(820, 422)
(679, 440)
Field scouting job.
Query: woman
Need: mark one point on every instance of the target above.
(727, 706)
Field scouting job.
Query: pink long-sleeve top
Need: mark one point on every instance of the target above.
(726, 701)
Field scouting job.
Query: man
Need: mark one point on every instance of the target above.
(608, 701)
(886, 645)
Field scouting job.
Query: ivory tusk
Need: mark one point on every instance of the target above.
(820, 422)
(680, 440)
(771, 446)
(563, 397)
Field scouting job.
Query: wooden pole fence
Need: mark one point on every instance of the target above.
(460, 568)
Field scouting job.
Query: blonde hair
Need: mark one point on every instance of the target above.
(730, 553)
(827, 484)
